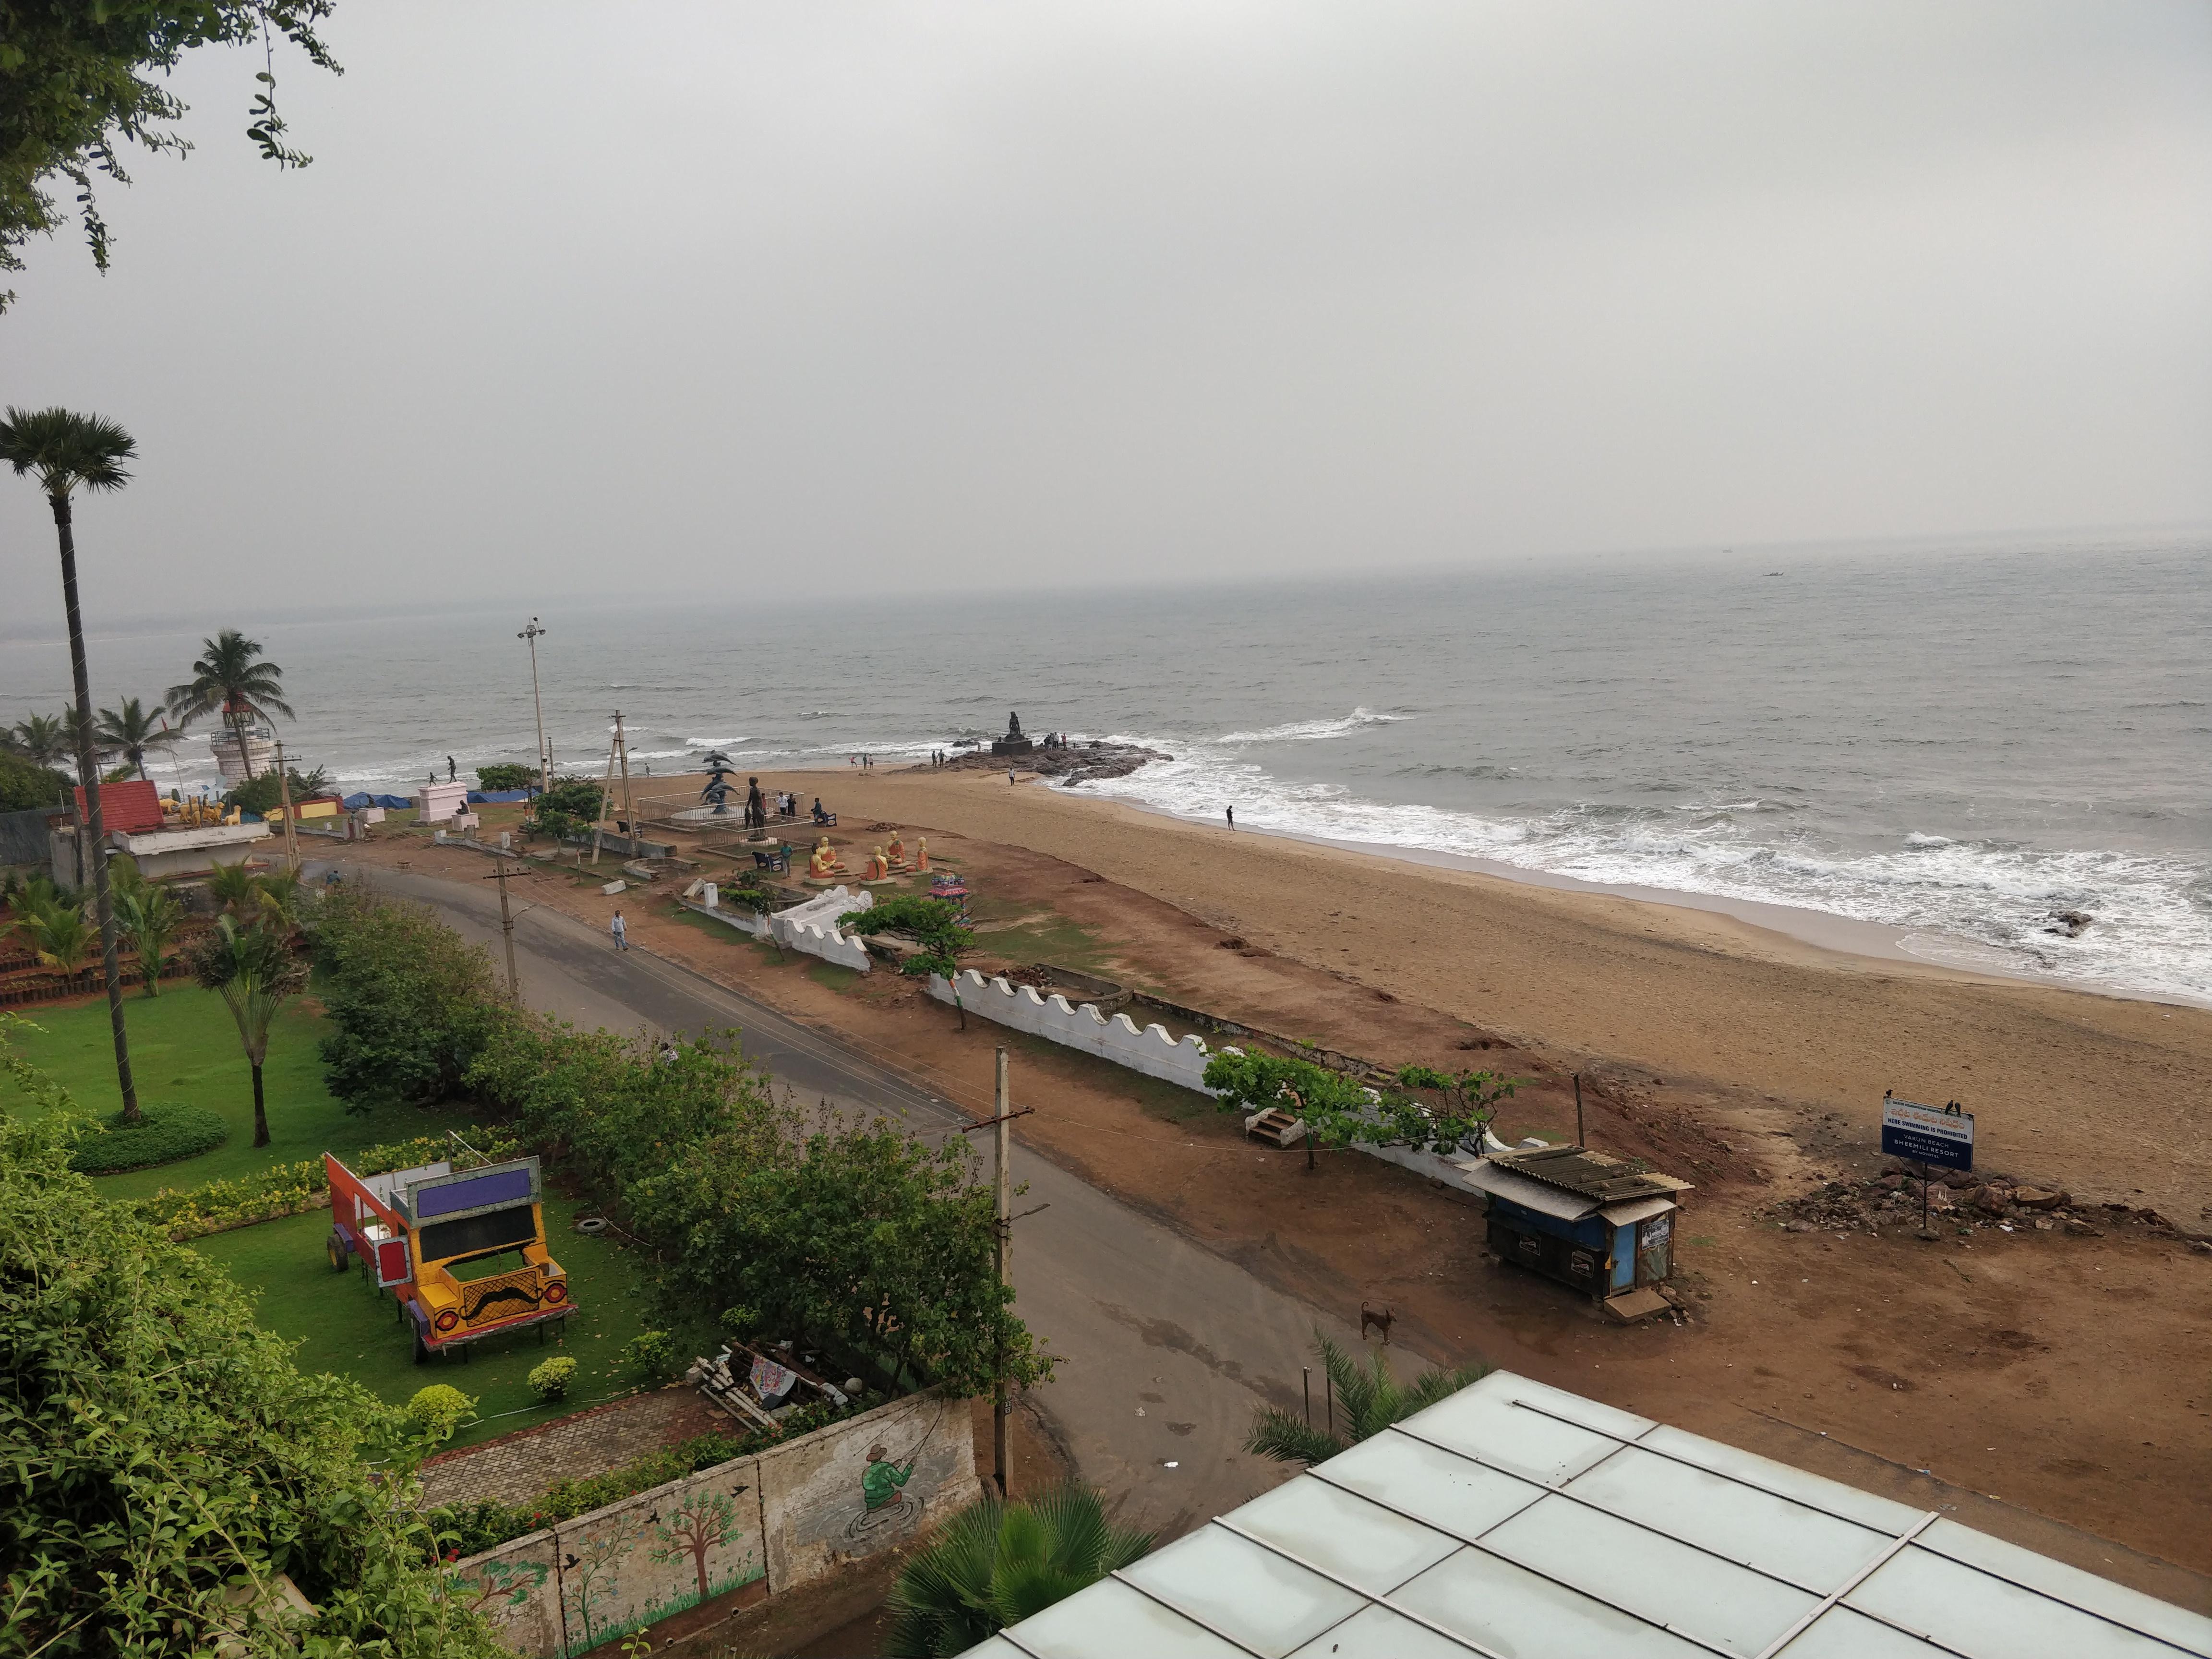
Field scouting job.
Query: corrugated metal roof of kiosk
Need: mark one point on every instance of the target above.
(1593, 1175)
(1517, 1522)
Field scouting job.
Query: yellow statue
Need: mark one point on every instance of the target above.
(922, 852)
(823, 864)
(897, 851)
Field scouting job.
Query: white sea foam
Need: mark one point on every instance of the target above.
(1308, 731)
(1992, 901)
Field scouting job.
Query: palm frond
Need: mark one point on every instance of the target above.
(1290, 1439)
(66, 451)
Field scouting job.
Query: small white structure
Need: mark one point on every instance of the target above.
(1516, 1519)
(812, 927)
(436, 802)
(260, 751)
(1150, 1050)
(163, 853)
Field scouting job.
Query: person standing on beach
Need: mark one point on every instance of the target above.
(1231, 811)
(620, 931)
(1009, 775)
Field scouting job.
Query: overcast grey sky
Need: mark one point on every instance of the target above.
(690, 298)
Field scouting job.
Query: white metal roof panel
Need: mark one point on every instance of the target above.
(1507, 1610)
(1371, 1547)
(1666, 1581)
(1980, 1616)
(1591, 1533)
(1808, 1547)
(1438, 1488)
(1637, 1209)
(1110, 1618)
(1252, 1595)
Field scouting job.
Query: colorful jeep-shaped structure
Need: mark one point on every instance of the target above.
(418, 1231)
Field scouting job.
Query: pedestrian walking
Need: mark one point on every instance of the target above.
(1232, 815)
(620, 931)
(1009, 775)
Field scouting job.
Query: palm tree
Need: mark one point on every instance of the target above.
(228, 681)
(128, 733)
(995, 1563)
(235, 891)
(42, 740)
(68, 452)
(150, 917)
(283, 900)
(60, 939)
(1369, 1400)
(253, 972)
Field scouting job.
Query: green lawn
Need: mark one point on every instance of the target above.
(1026, 933)
(344, 1326)
(184, 1047)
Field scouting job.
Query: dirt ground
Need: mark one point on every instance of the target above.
(2070, 1375)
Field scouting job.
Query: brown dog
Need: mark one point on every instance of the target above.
(1380, 1318)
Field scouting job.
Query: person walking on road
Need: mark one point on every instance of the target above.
(620, 931)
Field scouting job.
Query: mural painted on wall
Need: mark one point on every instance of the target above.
(837, 1494)
(659, 1554)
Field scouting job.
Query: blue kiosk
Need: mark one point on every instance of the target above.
(1602, 1225)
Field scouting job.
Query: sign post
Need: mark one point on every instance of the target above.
(1942, 1136)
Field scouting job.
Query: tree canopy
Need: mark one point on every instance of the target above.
(165, 1453)
(80, 79)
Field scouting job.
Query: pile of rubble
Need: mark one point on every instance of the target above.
(1961, 1202)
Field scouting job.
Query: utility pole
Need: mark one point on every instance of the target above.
(506, 928)
(284, 789)
(1005, 1208)
(1001, 1122)
(545, 755)
(606, 785)
(630, 805)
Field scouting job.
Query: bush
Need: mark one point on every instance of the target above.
(409, 1002)
(169, 1130)
(550, 1382)
(438, 1410)
(290, 1188)
(575, 797)
(505, 774)
(162, 1449)
(23, 786)
(649, 1358)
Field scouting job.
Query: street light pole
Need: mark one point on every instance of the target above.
(544, 758)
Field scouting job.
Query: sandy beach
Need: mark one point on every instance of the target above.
(2110, 1094)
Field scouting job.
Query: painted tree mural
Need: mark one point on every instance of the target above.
(705, 1521)
(592, 1564)
(507, 1581)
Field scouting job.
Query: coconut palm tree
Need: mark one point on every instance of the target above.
(253, 972)
(67, 451)
(235, 891)
(42, 740)
(995, 1563)
(1368, 1400)
(149, 917)
(60, 939)
(127, 734)
(228, 681)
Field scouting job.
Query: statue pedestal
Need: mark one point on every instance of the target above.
(1012, 746)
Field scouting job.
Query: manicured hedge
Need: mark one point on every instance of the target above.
(167, 1131)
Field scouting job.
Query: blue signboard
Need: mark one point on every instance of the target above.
(1942, 1136)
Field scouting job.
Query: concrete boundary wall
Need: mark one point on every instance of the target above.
(1118, 1038)
(812, 927)
(763, 1524)
(1154, 1052)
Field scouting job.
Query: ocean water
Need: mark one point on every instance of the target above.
(1959, 742)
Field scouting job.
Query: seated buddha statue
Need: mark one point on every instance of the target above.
(878, 866)
(822, 866)
(897, 852)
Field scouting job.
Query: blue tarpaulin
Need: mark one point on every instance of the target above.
(498, 797)
(390, 803)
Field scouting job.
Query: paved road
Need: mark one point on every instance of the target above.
(1164, 1346)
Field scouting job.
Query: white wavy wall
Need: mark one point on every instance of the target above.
(1150, 1050)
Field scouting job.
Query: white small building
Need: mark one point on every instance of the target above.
(159, 853)
(434, 803)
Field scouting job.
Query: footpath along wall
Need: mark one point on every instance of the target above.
(764, 1524)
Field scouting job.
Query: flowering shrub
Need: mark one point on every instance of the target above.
(438, 1410)
(551, 1381)
(285, 1189)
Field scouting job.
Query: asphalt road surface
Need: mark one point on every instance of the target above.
(1165, 1347)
